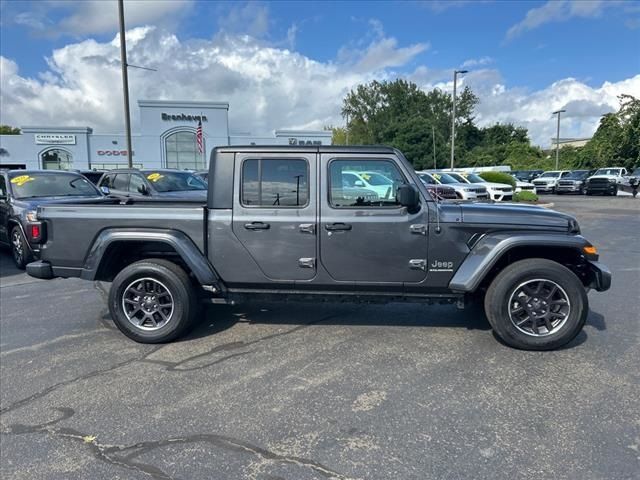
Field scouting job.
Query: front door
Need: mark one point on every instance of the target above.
(365, 236)
(274, 213)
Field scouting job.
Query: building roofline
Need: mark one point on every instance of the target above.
(184, 104)
(304, 133)
(40, 129)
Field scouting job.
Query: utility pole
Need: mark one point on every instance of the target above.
(453, 114)
(347, 129)
(558, 112)
(433, 136)
(125, 83)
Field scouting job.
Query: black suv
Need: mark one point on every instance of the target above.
(21, 192)
(159, 183)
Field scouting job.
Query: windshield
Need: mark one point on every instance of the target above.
(473, 178)
(427, 179)
(375, 179)
(38, 184)
(458, 177)
(164, 181)
(607, 171)
(444, 178)
(550, 175)
(577, 174)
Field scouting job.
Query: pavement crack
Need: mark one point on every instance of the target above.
(124, 456)
(56, 386)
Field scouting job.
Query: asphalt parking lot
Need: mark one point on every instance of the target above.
(314, 391)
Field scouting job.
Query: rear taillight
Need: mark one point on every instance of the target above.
(36, 232)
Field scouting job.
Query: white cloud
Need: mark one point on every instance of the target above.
(90, 17)
(270, 87)
(477, 62)
(561, 11)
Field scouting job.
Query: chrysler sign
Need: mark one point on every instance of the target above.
(55, 139)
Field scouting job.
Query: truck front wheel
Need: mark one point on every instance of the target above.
(152, 301)
(536, 304)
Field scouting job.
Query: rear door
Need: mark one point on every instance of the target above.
(274, 212)
(370, 241)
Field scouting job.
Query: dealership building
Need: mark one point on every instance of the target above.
(166, 139)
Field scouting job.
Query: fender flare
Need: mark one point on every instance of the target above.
(488, 250)
(176, 239)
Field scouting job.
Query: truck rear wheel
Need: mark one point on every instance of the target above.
(536, 304)
(152, 301)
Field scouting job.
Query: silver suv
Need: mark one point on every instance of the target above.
(464, 191)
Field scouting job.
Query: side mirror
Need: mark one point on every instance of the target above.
(104, 189)
(408, 196)
(358, 183)
(143, 189)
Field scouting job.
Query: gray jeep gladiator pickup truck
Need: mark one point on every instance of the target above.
(279, 223)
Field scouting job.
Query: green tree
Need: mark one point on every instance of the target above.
(402, 115)
(9, 130)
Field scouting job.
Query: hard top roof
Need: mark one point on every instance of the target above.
(307, 148)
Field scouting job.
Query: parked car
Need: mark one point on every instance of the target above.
(438, 191)
(526, 175)
(547, 182)
(498, 192)
(632, 182)
(94, 176)
(373, 181)
(575, 182)
(463, 191)
(160, 183)
(203, 174)
(21, 192)
(522, 186)
(530, 264)
(606, 181)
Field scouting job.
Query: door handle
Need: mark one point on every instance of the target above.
(338, 226)
(257, 226)
(307, 228)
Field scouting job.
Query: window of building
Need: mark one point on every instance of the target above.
(275, 183)
(181, 151)
(56, 159)
(364, 183)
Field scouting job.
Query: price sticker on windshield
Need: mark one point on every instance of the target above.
(437, 176)
(21, 180)
(154, 177)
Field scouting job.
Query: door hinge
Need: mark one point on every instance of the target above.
(308, 228)
(418, 264)
(419, 228)
(307, 262)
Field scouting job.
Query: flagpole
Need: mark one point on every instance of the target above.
(204, 148)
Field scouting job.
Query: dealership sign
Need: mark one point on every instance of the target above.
(183, 117)
(114, 153)
(55, 139)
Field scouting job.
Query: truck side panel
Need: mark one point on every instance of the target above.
(71, 230)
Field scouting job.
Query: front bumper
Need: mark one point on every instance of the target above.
(602, 188)
(568, 188)
(599, 276)
(545, 187)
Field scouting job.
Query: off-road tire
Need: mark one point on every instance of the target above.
(177, 283)
(503, 286)
(20, 251)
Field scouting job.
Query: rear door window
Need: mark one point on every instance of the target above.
(121, 182)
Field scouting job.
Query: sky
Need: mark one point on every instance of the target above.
(289, 64)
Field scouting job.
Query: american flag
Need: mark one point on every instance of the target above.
(199, 137)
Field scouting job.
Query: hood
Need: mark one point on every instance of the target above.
(464, 185)
(520, 183)
(613, 177)
(546, 180)
(187, 194)
(514, 214)
(494, 185)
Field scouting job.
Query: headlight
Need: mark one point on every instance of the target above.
(32, 216)
(468, 189)
(612, 180)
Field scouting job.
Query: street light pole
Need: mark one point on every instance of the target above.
(453, 114)
(433, 136)
(558, 112)
(125, 82)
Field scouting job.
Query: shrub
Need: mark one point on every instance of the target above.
(525, 196)
(499, 177)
